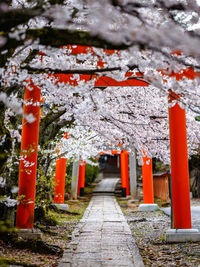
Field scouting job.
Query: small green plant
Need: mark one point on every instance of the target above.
(162, 238)
(91, 173)
(5, 227)
(44, 189)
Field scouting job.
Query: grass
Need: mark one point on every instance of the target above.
(161, 203)
(78, 208)
(7, 261)
(162, 238)
(88, 189)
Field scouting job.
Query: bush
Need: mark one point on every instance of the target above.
(91, 173)
(68, 177)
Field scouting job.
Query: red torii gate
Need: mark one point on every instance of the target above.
(124, 169)
(178, 146)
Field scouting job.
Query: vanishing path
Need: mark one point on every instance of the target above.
(103, 237)
(106, 185)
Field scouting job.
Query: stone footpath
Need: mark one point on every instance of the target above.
(103, 237)
(106, 185)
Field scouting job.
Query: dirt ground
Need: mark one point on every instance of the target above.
(57, 235)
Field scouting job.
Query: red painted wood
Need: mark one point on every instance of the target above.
(147, 180)
(28, 166)
(81, 179)
(123, 169)
(59, 189)
(102, 81)
(179, 168)
(127, 176)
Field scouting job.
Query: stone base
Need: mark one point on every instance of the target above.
(60, 206)
(148, 207)
(29, 234)
(182, 235)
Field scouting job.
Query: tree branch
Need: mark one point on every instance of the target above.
(58, 37)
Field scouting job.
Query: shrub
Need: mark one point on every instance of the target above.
(91, 173)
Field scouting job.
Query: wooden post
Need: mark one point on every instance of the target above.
(127, 174)
(179, 167)
(81, 179)
(147, 180)
(123, 172)
(59, 189)
(28, 161)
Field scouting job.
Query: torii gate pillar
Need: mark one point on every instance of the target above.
(123, 172)
(179, 168)
(180, 178)
(81, 179)
(28, 161)
(127, 174)
(147, 181)
(59, 189)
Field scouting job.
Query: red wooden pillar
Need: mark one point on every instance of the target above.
(123, 172)
(127, 175)
(179, 167)
(81, 179)
(147, 180)
(59, 189)
(28, 161)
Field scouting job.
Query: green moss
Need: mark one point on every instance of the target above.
(5, 261)
(162, 238)
(78, 208)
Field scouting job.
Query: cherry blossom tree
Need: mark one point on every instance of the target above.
(153, 40)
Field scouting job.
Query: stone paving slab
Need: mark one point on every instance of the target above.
(102, 238)
(107, 185)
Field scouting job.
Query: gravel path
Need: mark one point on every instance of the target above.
(148, 229)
